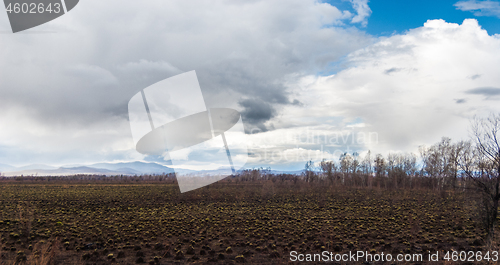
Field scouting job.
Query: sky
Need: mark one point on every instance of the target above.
(311, 79)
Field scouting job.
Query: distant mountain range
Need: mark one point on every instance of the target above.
(109, 169)
(129, 168)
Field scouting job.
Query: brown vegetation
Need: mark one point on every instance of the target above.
(254, 218)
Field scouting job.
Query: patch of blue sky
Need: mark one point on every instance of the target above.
(356, 121)
(395, 17)
(334, 67)
(390, 17)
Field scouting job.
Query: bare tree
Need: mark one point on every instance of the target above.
(366, 164)
(346, 165)
(355, 164)
(481, 164)
(328, 168)
(393, 169)
(440, 163)
(366, 167)
(410, 164)
(310, 176)
(458, 149)
(380, 166)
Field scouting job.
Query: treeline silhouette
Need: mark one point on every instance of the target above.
(86, 178)
(391, 172)
(436, 168)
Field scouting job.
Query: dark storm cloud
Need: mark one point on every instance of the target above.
(78, 80)
(113, 63)
(238, 78)
(256, 112)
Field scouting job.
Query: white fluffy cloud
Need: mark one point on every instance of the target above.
(363, 12)
(409, 89)
(480, 8)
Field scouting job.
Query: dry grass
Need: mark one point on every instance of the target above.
(84, 224)
(44, 253)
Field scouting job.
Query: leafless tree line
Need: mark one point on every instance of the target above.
(86, 178)
(470, 166)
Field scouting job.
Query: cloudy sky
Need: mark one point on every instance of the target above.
(312, 79)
